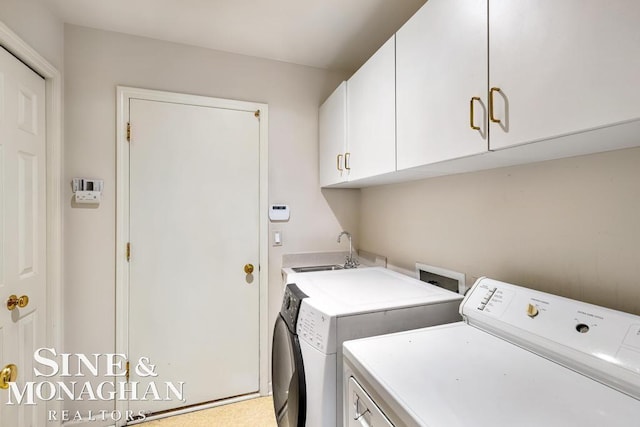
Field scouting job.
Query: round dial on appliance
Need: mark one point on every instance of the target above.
(582, 328)
(532, 311)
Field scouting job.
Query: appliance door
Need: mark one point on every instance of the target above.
(287, 372)
(320, 386)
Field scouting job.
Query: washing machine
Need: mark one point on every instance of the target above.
(519, 358)
(322, 310)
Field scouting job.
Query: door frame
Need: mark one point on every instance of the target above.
(53, 142)
(124, 95)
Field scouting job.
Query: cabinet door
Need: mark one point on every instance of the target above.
(441, 55)
(371, 120)
(562, 67)
(332, 137)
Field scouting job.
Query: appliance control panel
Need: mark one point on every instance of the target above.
(316, 328)
(594, 340)
(291, 303)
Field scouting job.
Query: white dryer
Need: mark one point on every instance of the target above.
(519, 358)
(324, 309)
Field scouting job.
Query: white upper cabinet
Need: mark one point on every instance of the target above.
(562, 67)
(371, 124)
(332, 130)
(467, 85)
(441, 60)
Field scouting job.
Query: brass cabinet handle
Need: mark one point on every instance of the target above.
(14, 302)
(8, 374)
(346, 161)
(491, 92)
(248, 268)
(473, 126)
(338, 162)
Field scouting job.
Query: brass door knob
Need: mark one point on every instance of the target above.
(8, 375)
(248, 268)
(14, 302)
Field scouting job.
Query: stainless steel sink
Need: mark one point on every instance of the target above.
(317, 268)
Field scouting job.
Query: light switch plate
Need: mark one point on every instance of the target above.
(277, 238)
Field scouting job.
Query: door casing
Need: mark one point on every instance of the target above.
(53, 111)
(124, 94)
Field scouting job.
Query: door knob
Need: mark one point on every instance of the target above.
(14, 302)
(248, 268)
(8, 375)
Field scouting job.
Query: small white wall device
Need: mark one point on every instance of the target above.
(279, 213)
(87, 191)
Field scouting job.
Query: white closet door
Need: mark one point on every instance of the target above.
(23, 261)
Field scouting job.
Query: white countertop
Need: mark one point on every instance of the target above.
(310, 259)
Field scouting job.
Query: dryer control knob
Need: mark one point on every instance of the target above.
(532, 311)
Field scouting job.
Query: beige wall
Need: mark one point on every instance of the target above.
(37, 26)
(95, 63)
(569, 226)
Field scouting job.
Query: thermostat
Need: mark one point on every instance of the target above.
(87, 191)
(279, 213)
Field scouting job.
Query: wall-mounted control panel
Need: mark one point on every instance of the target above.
(87, 191)
(279, 213)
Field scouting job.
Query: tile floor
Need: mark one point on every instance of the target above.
(249, 413)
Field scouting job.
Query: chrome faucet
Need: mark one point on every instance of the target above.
(350, 262)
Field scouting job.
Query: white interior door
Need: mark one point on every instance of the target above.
(194, 225)
(22, 229)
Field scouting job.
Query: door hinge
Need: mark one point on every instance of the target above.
(128, 252)
(127, 371)
(129, 132)
(257, 113)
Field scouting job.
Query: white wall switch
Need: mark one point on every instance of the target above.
(277, 238)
